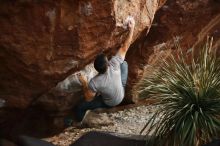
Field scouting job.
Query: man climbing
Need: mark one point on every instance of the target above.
(107, 89)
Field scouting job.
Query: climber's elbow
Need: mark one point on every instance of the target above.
(89, 95)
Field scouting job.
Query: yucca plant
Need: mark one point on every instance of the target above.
(188, 94)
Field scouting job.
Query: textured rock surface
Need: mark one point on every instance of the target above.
(66, 94)
(42, 42)
(186, 21)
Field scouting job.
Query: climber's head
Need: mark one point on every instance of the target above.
(101, 63)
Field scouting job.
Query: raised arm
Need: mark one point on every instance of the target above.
(124, 47)
(88, 94)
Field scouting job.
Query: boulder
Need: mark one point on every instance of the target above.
(95, 120)
(31, 141)
(43, 42)
(109, 139)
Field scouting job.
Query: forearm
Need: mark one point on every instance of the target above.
(124, 47)
(87, 93)
(127, 42)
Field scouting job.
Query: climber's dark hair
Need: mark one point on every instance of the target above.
(101, 63)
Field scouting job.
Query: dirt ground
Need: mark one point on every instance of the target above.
(127, 121)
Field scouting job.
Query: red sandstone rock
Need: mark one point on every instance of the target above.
(42, 42)
(188, 21)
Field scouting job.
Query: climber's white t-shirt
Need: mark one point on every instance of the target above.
(109, 84)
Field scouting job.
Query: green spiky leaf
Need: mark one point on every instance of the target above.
(188, 94)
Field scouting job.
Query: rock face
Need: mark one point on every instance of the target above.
(42, 42)
(186, 21)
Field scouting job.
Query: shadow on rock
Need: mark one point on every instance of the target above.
(92, 138)
(31, 122)
(109, 139)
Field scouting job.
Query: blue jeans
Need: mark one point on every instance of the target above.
(124, 73)
(98, 102)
